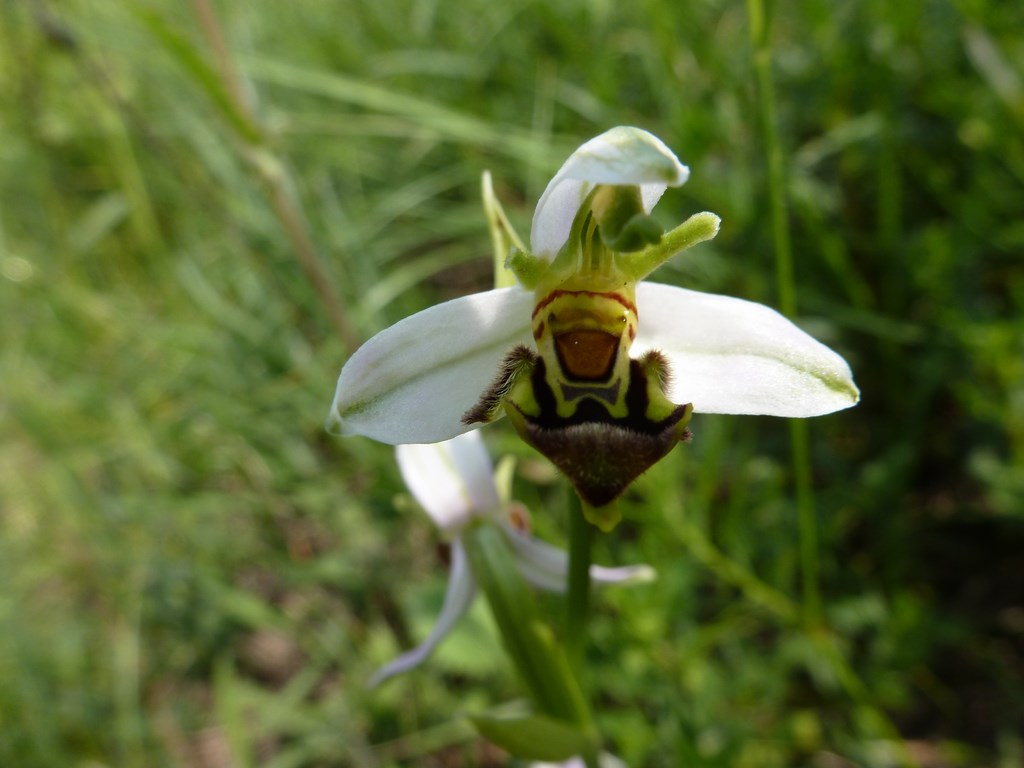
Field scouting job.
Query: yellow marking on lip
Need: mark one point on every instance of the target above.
(559, 293)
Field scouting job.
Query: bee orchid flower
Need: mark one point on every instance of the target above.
(454, 483)
(596, 368)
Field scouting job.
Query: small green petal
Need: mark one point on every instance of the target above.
(503, 235)
(534, 737)
(605, 518)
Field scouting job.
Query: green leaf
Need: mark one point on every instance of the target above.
(534, 737)
(528, 641)
(202, 73)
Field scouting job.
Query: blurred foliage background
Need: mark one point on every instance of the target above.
(203, 207)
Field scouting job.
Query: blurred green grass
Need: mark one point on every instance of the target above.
(194, 574)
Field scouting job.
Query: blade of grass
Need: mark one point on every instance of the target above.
(786, 286)
(224, 89)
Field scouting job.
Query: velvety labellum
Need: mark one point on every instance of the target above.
(602, 418)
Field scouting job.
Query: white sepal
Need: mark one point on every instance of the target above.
(547, 566)
(412, 382)
(457, 599)
(728, 355)
(453, 481)
(623, 155)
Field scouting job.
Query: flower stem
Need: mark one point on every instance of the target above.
(527, 640)
(578, 603)
(786, 284)
(807, 520)
(581, 534)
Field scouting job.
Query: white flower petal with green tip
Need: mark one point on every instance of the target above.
(457, 599)
(412, 382)
(453, 481)
(623, 155)
(547, 566)
(733, 356)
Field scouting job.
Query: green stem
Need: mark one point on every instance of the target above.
(761, 41)
(807, 520)
(581, 535)
(529, 643)
(578, 603)
(786, 285)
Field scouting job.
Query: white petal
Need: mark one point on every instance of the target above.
(458, 598)
(412, 382)
(604, 760)
(543, 565)
(623, 574)
(728, 355)
(546, 566)
(453, 480)
(623, 155)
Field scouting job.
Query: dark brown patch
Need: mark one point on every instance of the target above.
(601, 459)
(587, 355)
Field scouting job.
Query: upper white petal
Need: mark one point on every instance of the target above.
(728, 355)
(412, 382)
(622, 155)
(457, 599)
(453, 480)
